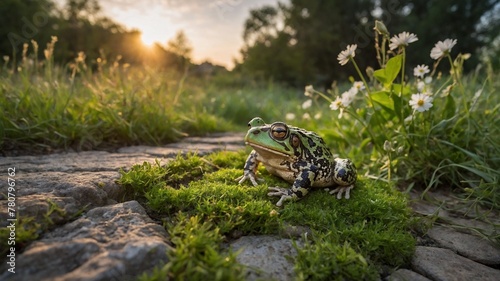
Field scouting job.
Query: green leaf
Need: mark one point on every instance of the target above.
(383, 98)
(449, 107)
(390, 72)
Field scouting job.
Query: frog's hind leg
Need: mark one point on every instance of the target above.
(299, 189)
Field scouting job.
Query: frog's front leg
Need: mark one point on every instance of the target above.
(299, 189)
(344, 175)
(250, 169)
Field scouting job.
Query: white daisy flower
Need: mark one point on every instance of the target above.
(309, 91)
(420, 102)
(421, 70)
(307, 104)
(347, 54)
(336, 104)
(402, 40)
(420, 86)
(290, 116)
(348, 97)
(358, 86)
(306, 116)
(442, 48)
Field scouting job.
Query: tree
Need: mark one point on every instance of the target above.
(471, 22)
(23, 21)
(298, 43)
(305, 48)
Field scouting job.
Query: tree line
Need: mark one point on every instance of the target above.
(80, 27)
(297, 43)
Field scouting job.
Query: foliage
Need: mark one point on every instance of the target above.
(80, 27)
(76, 107)
(197, 253)
(358, 235)
(449, 146)
(473, 23)
(294, 43)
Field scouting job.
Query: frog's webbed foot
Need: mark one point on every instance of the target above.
(249, 175)
(341, 189)
(285, 193)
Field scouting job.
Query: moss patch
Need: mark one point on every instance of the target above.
(351, 239)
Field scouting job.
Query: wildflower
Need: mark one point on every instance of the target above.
(420, 70)
(401, 149)
(442, 48)
(387, 145)
(358, 86)
(348, 97)
(402, 40)
(306, 116)
(307, 104)
(380, 28)
(80, 58)
(408, 119)
(290, 116)
(347, 54)
(309, 91)
(317, 116)
(336, 104)
(420, 86)
(420, 102)
(6, 58)
(447, 90)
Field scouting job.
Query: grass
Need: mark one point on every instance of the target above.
(82, 106)
(358, 236)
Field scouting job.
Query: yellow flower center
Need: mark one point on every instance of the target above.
(420, 102)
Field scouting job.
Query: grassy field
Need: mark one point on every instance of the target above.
(454, 145)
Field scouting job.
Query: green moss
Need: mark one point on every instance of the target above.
(352, 238)
(197, 254)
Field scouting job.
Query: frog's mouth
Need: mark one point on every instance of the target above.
(261, 148)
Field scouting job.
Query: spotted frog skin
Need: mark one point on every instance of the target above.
(298, 156)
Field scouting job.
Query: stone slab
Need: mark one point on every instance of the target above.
(443, 265)
(468, 245)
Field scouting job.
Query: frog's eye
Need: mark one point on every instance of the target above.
(279, 131)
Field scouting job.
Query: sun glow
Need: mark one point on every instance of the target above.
(150, 36)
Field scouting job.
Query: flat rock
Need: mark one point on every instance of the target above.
(443, 264)
(450, 210)
(268, 257)
(117, 242)
(468, 245)
(74, 182)
(406, 275)
(69, 193)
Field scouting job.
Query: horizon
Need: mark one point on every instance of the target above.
(214, 28)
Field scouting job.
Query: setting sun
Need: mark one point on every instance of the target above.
(149, 38)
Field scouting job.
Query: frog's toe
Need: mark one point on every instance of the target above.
(248, 176)
(277, 191)
(285, 193)
(343, 189)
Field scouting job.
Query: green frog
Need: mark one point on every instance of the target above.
(298, 156)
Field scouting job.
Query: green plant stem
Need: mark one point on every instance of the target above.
(323, 96)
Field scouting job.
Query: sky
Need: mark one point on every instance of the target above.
(213, 27)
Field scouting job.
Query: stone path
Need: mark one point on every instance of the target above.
(94, 237)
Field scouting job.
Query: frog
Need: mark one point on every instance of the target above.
(299, 157)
